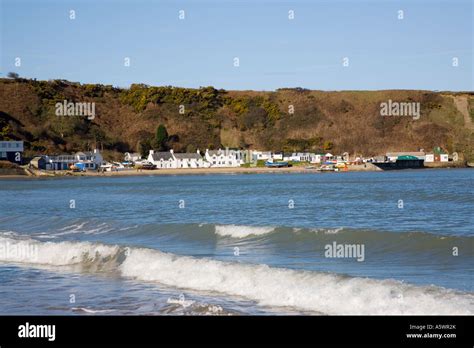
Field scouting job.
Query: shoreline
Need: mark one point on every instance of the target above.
(201, 171)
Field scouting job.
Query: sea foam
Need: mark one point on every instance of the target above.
(269, 286)
(239, 231)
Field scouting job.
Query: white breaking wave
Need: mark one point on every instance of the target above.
(326, 293)
(54, 254)
(80, 229)
(327, 230)
(195, 308)
(268, 286)
(237, 231)
(184, 303)
(92, 311)
(320, 230)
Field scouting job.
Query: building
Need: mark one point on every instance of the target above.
(302, 157)
(177, 160)
(328, 157)
(402, 162)
(224, 158)
(162, 159)
(12, 151)
(393, 156)
(429, 157)
(277, 156)
(39, 162)
(261, 155)
(190, 160)
(436, 157)
(316, 158)
(60, 162)
(132, 156)
(91, 160)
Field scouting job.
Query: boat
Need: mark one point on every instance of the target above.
(280, 164)
(327, 168)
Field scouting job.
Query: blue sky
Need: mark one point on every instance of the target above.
(384, 52)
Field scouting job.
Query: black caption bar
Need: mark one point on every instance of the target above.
(429, 331)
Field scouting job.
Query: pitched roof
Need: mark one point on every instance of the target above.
(214, 152)
(187, 155)
(407, 153)
(157, 156)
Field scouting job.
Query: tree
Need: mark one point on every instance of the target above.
(190, 148)
(5, 132)
(13, 75)
(145, 147)
(161, 138)
(328, 145)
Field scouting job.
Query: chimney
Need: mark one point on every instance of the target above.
(152, 152)
(171, 151)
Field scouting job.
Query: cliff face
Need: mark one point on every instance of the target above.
(287, 119)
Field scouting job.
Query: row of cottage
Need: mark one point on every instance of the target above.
(222, 158)
(93, 160)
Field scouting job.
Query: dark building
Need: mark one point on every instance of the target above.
(11, 151)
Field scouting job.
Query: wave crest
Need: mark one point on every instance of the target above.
(268, 286)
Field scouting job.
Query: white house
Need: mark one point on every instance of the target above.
(261, 155)
(278, 156)
(316, 157)
(328, 157)
(162, 160)
(429, 157)
(90, 159)
(177, 160)
(132, 157)
(301, 156)
(224, 158)
(189, 160)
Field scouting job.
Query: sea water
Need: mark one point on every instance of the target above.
(239, 244)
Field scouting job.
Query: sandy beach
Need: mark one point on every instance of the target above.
(197, 171)
(181, 171)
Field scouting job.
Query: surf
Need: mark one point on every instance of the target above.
(318, 292)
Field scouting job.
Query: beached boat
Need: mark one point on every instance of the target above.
(327, 168)
(276, 164)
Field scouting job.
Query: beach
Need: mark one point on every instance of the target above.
(367, 167)
(183, 171)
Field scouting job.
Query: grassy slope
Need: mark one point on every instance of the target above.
(349, 120)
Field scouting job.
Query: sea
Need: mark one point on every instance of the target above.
(349, 243)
